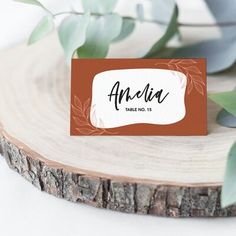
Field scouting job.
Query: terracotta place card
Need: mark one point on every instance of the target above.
(138, 97)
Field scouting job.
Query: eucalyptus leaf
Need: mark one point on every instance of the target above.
(128, 26)
(226, 119)
(32, 2)
(220, 53)
(72, 33)
(162, 10)
(140, 12)
(169, 33)
(224, 11)
(99, 6)
(101, 31)
(228, 193)
(227, 100)
(43, 28)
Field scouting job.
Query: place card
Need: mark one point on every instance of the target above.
(138, 97)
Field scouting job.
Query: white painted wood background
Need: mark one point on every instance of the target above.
(26, 211)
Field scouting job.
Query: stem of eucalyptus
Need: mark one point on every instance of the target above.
(219, 24)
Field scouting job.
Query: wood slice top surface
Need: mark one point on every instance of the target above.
(35, 110)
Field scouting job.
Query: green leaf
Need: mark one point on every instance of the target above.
(220, 53)
(101, 31)
(128, 26)
(43, 28)
(162, 10)
(227, 100)
(228, 194)
(32, 2)
(36, 3)
(99, 6)
(169, 33)
(72, 33)
(223, 11)
(226, 119)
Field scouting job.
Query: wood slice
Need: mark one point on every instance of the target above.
(164, 176)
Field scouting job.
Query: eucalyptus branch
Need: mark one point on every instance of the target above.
(48, 11)
(180, 24)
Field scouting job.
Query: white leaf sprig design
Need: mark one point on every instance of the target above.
(187, 67)
(81, 116)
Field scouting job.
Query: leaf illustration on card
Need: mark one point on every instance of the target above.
(78, 103)
(76, 110)
(87, 113)
(86, 105)
(197, 79)
(193, 69)
(79, 121)
(193, 73)
(186, 62)
(86, 131)
(174, 60)
(190, 87)
(81, 116)
(198, 88)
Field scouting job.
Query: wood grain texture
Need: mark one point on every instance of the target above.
(165, 176)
